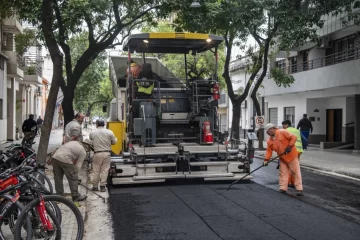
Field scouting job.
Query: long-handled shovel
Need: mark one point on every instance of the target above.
(254, 171)
(92, 191)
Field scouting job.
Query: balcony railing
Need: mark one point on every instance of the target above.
(20, 61)
(336, 58)
(33, 69)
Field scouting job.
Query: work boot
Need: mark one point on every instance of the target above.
(95, 189)
(290, 185)
(282, 191)
(102, 189)
(299, 193)
(79, 198)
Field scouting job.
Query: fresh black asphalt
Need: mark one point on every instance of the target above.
(250, 210)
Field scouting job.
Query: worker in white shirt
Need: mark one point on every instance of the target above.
(73, 130)
(67, 160)
(102, 139)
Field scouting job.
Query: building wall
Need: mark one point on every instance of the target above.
(338, 75)
(289, 100)
(3, 96)
(308, 102)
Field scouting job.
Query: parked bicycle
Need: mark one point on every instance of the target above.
(27, 205)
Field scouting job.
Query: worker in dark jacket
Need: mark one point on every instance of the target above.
(29, 129)
(305, 126)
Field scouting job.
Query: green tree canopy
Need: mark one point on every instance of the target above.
(272, 24)
(201, 65)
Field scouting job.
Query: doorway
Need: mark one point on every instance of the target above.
(333, 125)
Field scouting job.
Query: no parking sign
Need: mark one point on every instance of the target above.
(259, 120)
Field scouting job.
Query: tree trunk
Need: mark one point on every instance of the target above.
(235, 126)
(258, 84)
(57, 58)
(67, 105)
(258, 113)
(49, 112)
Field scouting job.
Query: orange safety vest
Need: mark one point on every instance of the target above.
(279, 143)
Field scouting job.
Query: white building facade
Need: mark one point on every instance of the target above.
(23, 91)
(326, 87)
(240, 78)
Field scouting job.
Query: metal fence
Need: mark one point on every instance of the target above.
(336, 58)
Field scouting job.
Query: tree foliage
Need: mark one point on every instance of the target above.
(24, 40)
(200, 66)
(272, 24)
(107, 23)
(88, 89)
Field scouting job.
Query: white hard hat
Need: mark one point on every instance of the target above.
(269, 126)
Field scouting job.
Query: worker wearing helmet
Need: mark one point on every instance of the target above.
(283, 143)
(145, 87)
(299, 147)
(135, 69)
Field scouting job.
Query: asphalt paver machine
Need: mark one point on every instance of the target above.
(172, 123)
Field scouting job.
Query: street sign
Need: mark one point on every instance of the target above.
(252, 136)
(259, 120)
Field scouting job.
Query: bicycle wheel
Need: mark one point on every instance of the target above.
(47, 182)
(40, 175)
(72, 223)
(34, 229)
(8, 221)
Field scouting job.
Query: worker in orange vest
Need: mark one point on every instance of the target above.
(281, 141)
(299, 147)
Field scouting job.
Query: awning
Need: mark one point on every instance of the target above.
(172, 42)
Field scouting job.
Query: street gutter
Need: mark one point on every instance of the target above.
(339, 173)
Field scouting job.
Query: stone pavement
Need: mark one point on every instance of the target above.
(55, 140)
(84, 207)
(344, 162)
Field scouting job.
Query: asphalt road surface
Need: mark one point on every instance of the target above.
(330, 209)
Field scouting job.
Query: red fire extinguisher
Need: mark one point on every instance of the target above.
(207, 134)
(216, 91)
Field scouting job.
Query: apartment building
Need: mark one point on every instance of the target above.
(326, 87)
(21, 82)
(11, 74)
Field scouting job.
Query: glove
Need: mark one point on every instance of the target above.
(288, 149)
(266, 163)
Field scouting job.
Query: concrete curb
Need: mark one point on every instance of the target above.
(347, 174)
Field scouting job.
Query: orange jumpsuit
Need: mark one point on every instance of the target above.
(290, 161)
(292, 176)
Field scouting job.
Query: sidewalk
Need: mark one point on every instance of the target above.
(344, 162)
(55, 140)
(92, 209)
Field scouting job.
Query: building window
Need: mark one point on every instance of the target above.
(281, 64)
(293, 64)
(273, 116)
(222, 99)
(342, 49)
(1, 109)
(289, 114)
(2, 63)
(223, 122)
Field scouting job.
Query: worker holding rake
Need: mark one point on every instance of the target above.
(281, 141)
